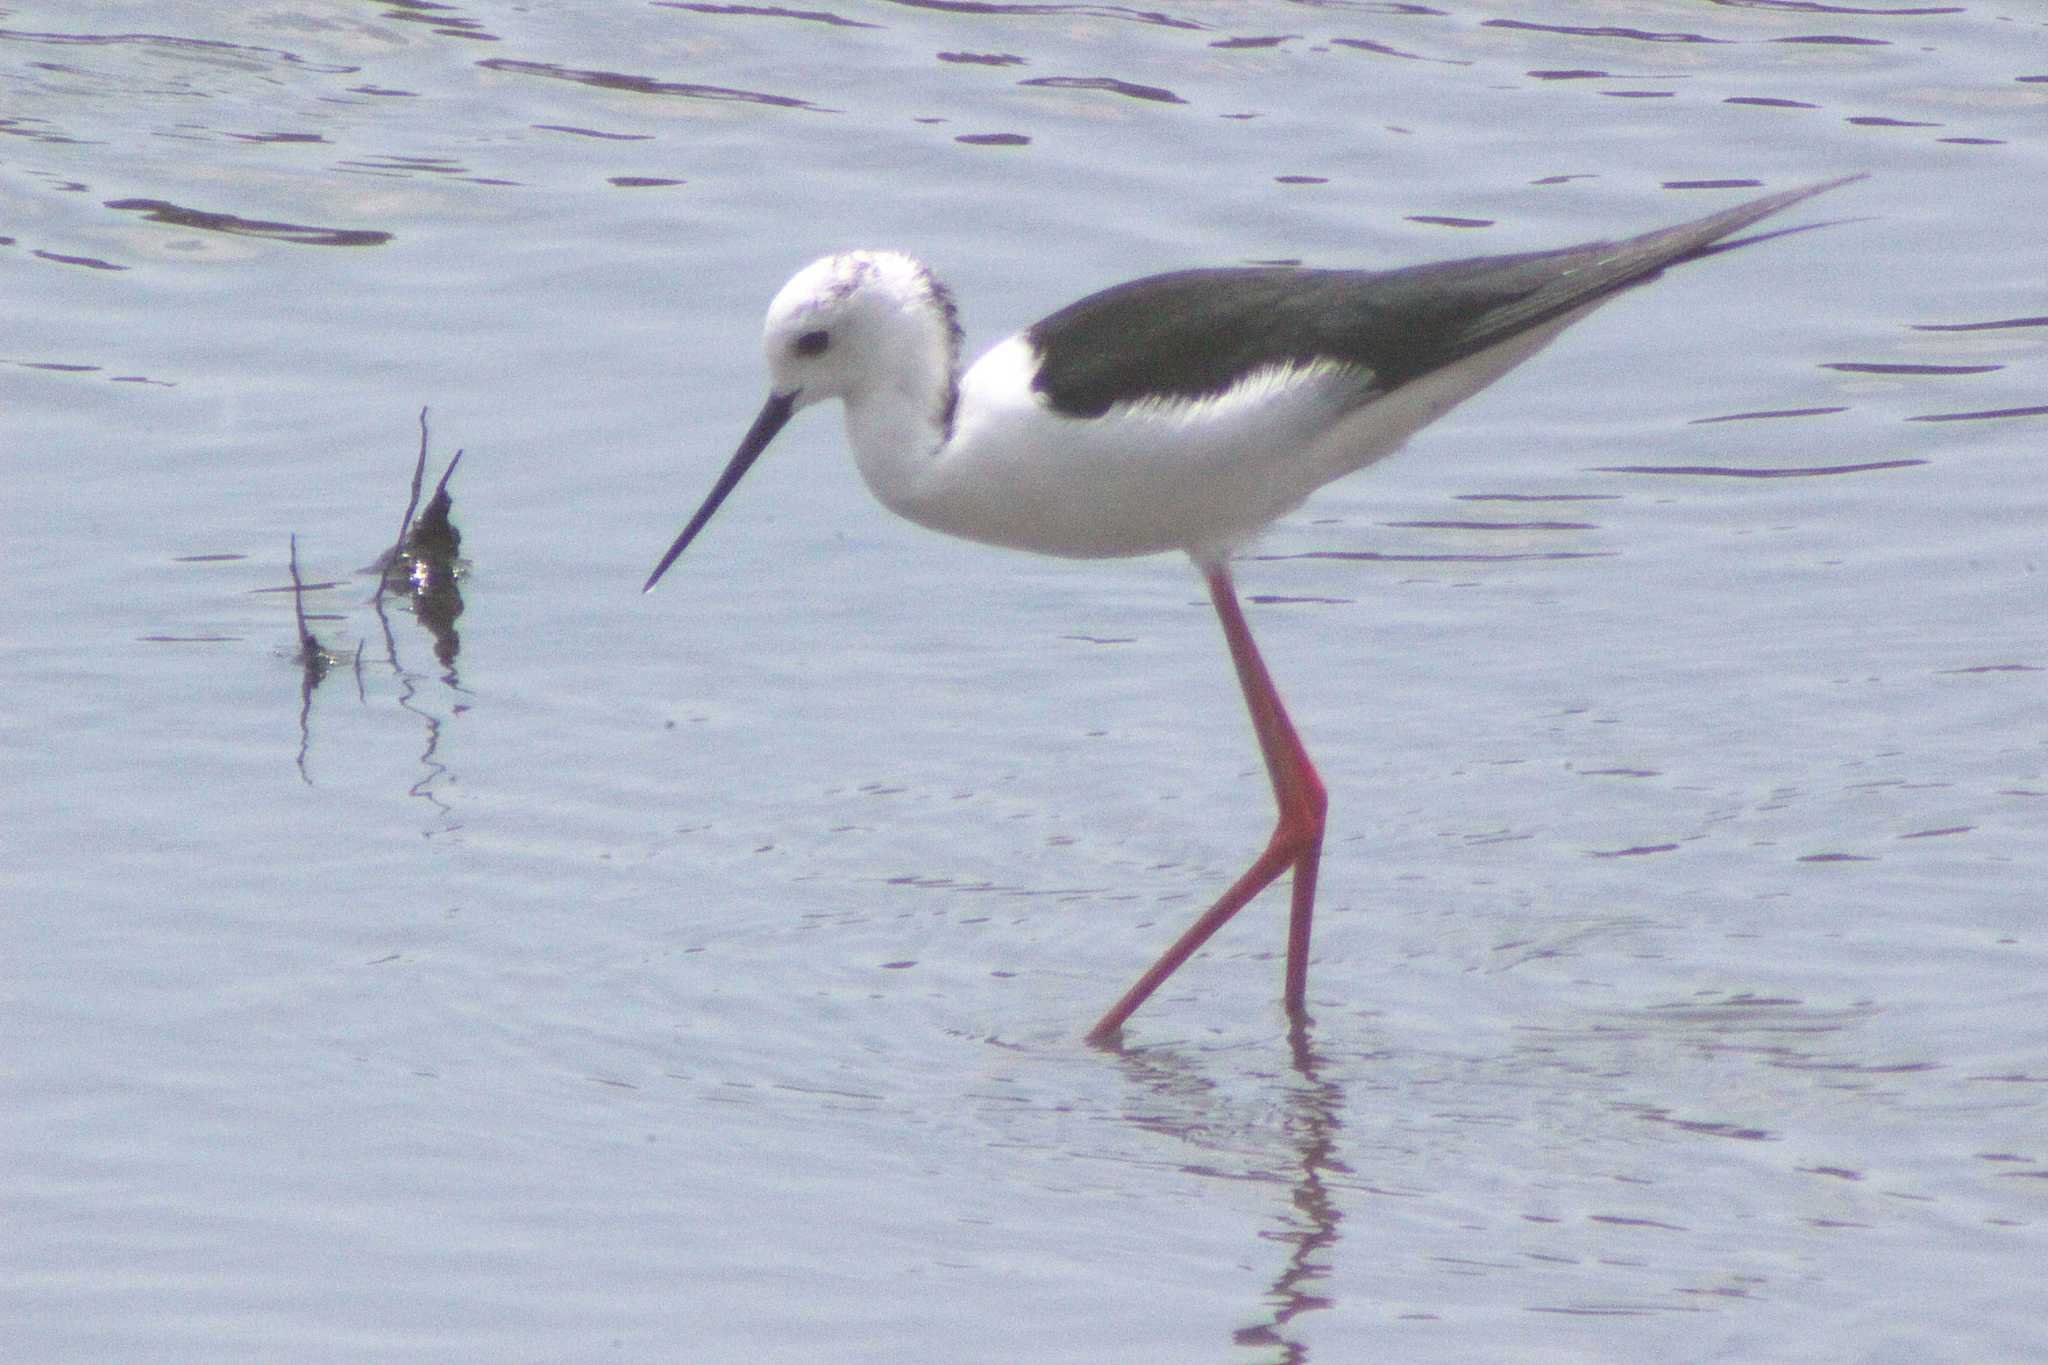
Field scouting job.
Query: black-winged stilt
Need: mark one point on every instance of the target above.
(1178, 412)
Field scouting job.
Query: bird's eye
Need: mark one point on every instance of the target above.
(813, 343)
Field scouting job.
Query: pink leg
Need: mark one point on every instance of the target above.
(1297, 838)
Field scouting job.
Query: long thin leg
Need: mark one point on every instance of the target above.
(1297, 837)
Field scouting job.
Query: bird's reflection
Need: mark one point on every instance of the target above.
(1307, 1160)
(1314, 1118)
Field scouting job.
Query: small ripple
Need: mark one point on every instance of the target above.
(1789, 472)
(1997, 325)
(1135, 16)
(767, 12)
(1704, 1127)
(1640, 850)
(1767, 413)
(1602, 31)
(1109, 85)
(1495, 525)
(1622, 1220)
(1873, 367)
(89, 262)
(1834, 40)
(646, 85)
(1985, 415)
(23, 128)
(1993, 668)
(1382, 50)
(1536, 497)
(441, 19)
(205, 220)
(1819, 7)
(1376, 556)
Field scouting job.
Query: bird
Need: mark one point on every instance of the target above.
(1179, 412)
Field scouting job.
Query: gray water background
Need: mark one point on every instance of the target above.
(701, 976)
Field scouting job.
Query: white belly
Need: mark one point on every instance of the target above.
(1201, 476)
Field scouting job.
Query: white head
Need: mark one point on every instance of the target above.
(869, 327)
(850, 324)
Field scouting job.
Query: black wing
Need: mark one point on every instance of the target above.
(1192, 333)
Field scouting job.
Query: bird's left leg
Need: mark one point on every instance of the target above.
(1297, 836)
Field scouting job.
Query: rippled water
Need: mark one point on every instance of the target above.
(700, 976)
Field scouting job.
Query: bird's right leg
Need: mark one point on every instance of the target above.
(1297, 840)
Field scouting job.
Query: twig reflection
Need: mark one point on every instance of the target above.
(423, 566)
(312, 660)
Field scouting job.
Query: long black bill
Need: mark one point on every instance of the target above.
(774, 413)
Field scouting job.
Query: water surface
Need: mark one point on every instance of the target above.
(702, 975)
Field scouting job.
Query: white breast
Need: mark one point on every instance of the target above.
(1140, 479)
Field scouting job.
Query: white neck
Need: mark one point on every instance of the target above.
(899, 422)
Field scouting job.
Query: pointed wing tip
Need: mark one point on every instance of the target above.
(1791, 197)
(1824, 186)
